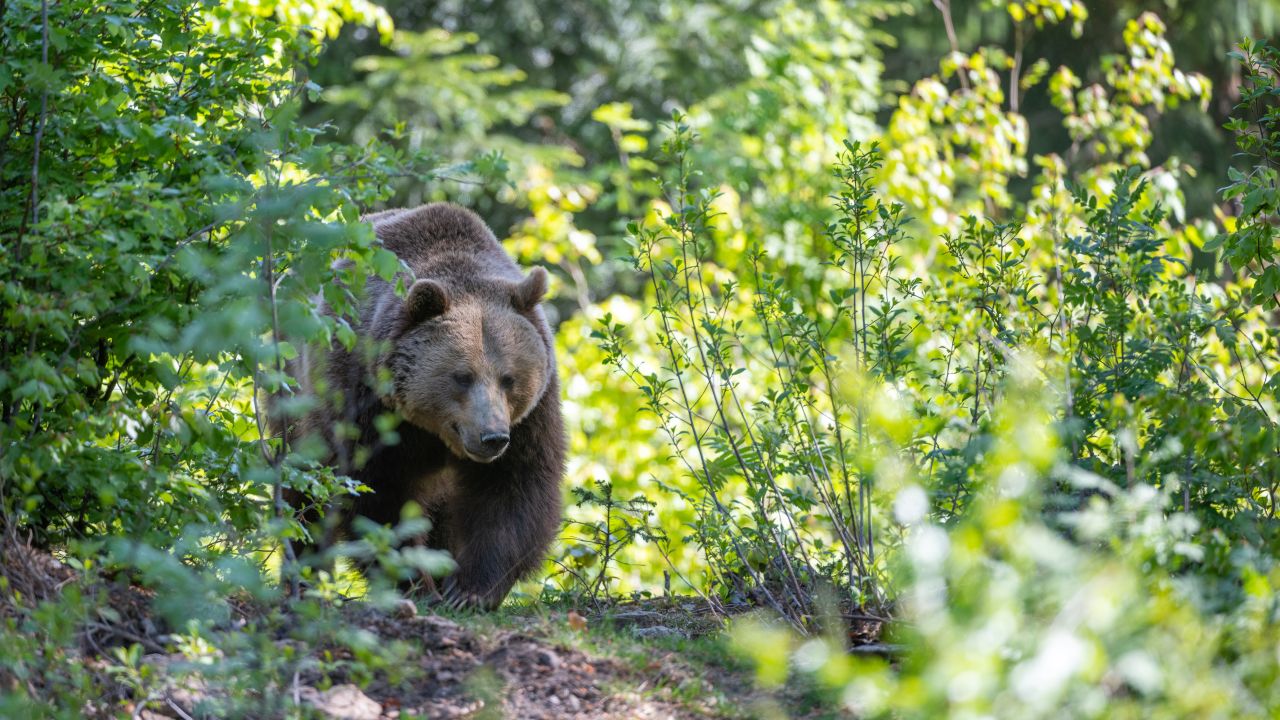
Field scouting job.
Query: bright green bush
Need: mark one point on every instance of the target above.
(1251, 246)
(1161, 376)
(1113, 552)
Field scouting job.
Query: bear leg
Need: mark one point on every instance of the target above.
(505, 515)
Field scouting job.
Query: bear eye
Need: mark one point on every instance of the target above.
(464, 379)
(508, 382)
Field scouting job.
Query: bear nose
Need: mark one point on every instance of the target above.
(495, 442)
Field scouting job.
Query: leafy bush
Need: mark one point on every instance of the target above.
(1251, 246)
(746, 387)
(1114, 554)
(1157, 372)
(168, 222)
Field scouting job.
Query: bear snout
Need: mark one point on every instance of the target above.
(487, 445)
(495, 442)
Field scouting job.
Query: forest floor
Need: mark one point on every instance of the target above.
(663, 658)
(654, 658)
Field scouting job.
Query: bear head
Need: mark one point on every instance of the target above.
(470, 364)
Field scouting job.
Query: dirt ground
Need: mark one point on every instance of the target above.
(526, 675)
(505, 666)
(657, 658)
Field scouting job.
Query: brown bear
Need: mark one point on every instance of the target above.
(466, 363)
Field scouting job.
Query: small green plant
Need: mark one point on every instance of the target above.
(589, 558)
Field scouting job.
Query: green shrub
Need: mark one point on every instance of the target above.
(1114, 551)
(167, 223)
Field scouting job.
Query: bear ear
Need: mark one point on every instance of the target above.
(528, 293)
(427, 299)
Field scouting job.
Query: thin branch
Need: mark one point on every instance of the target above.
(1015, 79)
(944, 6)
(34, 208)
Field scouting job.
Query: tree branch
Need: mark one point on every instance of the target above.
(34, 207)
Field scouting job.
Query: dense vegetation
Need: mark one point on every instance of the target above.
(983, 346)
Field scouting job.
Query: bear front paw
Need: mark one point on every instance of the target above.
(458, 597)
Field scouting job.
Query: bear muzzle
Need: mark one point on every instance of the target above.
(485, 446)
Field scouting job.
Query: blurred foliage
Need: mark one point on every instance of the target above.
(1005, 617)
(1112, 552)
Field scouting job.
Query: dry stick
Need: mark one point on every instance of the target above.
(580, 284)
(181, 713)
(944, 6)
(146, 642)
(1014, 80)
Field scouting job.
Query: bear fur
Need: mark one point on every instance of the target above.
(466, 362)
